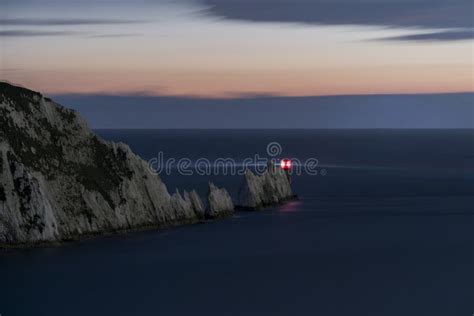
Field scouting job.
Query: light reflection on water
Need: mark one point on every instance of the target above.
(290, 207)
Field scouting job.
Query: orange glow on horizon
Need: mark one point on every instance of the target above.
(229, 84)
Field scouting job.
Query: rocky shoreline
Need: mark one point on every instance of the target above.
(82, 237)
(61, 182)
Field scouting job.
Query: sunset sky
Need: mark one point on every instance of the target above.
(218, 48)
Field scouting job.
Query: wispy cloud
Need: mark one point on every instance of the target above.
(115, 35)
(33, 33)
(387, 13)
(459, 35)
(64, 22)
(9, 69)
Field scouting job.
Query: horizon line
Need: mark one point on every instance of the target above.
(284, 128)
(230, 96)
(248, 96)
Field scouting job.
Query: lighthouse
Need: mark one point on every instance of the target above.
(285, 165)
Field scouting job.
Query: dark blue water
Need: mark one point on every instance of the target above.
(388, 230)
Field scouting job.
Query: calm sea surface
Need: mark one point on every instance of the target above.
(385, 228)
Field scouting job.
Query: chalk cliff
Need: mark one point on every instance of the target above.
(58, 180)
(270, 188)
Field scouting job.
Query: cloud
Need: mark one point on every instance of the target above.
(64, 22)
(115, 35)
(60, 22)
(396, 13)
(458, 35)
(33, 33)
(9, 69)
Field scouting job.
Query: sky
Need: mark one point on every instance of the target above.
(238, 48)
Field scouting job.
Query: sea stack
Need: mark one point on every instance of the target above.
(59, 181)
(270, 188)
(219, 202)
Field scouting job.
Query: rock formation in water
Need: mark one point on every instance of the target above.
(59, 181)
(219, 202)
(270, 188)
(196, 203)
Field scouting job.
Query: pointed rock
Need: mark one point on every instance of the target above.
(270, 188)
(183, 207)
(219, 202)
(196, 203)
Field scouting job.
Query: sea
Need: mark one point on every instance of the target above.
(384, 225)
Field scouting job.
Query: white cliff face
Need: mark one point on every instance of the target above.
(39, 223)
(272, 187)
(219, 202)
(59, 181)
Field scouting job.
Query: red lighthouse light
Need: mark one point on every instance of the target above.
(285, 164)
